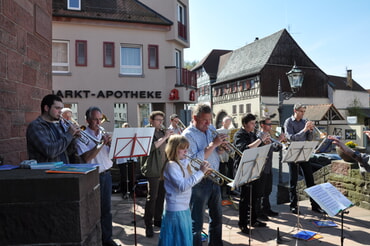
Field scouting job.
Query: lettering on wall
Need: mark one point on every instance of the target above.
(109, 94)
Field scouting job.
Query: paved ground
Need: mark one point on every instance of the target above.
(355, 227)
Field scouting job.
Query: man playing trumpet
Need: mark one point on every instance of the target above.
(48, 140)
(204, 146)
(299, 129)
(93, 152)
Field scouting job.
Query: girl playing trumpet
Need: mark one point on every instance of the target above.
(176, 228)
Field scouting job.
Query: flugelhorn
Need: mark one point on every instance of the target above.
(215, 176)
(228, 144)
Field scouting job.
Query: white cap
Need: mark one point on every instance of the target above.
(66, 110)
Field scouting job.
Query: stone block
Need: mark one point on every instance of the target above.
(49, 209)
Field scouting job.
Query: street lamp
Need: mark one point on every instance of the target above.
(295, 77)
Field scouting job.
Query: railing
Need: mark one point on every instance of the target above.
(185, 77)
(182, 31)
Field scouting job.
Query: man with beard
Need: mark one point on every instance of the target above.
(49, 139)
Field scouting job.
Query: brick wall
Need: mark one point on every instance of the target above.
(25, 70)
(345, 176)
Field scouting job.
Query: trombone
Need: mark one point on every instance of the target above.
(228, 144)
(215, 176)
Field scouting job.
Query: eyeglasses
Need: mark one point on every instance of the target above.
(268, 124)
(161, 120)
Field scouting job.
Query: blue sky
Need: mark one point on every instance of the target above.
(335, 34)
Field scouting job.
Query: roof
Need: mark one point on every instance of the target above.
(319, 112)
(131, 11)
(340, 83)
(210, 62)
(250, 59)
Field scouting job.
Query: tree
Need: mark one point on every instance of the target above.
(354, 109)
(189, 65)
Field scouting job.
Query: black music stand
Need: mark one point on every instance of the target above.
(250, 169)
(128, 143)
(297, 152)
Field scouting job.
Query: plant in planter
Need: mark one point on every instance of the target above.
(351, 144)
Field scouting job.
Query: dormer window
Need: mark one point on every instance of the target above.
(74, 4)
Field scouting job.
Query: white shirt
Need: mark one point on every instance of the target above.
(178, 187)
(102, 158)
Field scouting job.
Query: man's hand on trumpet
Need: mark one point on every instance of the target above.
(74, 130)
(309, 126)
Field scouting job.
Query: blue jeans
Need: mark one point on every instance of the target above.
(105, 205)
(206, 194)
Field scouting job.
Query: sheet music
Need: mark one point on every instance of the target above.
(329, 198)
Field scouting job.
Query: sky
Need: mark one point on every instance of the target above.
(334, 34)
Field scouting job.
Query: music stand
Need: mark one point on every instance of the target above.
(297, 152)
(128, 143)
(250, 167)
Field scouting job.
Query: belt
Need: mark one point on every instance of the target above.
(105, 172)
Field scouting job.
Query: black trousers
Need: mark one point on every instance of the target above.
(308, 177)
(245, 202)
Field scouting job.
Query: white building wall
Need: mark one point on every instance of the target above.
(95, 77)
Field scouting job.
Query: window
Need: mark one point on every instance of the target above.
(120, 114)
(81, 53)
(131, 60)
(234, 110)
(74, 4)
(181, 21)
(241, 109)
(108, 54)
(248, 108)
(178, 63)
(153, 56)
(60, 53)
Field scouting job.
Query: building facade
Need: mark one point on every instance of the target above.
(124, 56)
(247, 80)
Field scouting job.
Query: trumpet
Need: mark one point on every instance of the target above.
(228, 144)
(321, 134)
(181, 125)
(215, 176)
(283, 145)
(84, 136)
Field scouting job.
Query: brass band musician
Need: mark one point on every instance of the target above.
(299, 129)
(48, 140)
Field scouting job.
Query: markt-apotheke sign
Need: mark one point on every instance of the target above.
(108, 94)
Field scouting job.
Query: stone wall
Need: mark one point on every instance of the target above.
(345, 176)
(25, 71)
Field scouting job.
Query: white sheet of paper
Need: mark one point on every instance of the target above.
(329, 198)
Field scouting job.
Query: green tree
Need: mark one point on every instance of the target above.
(355, 109)
(189, 65)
